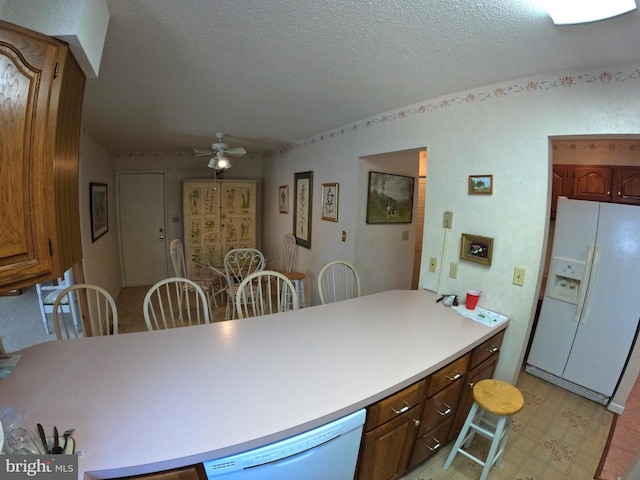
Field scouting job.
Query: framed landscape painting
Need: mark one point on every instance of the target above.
(390, 198)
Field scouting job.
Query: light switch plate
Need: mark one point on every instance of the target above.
(453, 270)
(518, 276)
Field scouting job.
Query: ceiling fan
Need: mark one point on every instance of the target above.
(220, 150)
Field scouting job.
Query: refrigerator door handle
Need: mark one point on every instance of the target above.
(583, 290)
(592, 279)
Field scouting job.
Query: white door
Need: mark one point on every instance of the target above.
(142, 230)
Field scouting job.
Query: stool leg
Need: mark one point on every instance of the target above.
(495, 443)
(503, 442)
(461, 436)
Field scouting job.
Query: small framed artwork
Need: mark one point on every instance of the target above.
(390, 198)
(283, 198)
(99, 210)
(303, 195)
(330, 202)
(476, 249)
(480, 184)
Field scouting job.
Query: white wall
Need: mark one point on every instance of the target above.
(502, 130)
(98, 257)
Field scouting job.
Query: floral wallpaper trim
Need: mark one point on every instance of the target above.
(605, 77)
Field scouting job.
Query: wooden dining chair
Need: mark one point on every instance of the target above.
(265, 292)
(175, 302)
(103, 313)
(289, 264)
(338, 280)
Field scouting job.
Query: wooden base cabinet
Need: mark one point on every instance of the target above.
(482, 365)
(407, 428)
(390, 432)
(440, 408)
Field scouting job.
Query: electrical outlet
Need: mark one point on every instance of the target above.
(433, 263)
(518, 276)
(453, 270)
(344, 235)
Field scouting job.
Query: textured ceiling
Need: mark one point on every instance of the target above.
(271, 72)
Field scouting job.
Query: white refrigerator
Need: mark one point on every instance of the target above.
(591, 308)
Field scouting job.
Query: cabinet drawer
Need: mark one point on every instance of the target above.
(429, 444)
(447, 375)
(394, 405)
(440, 407)
(485, 350)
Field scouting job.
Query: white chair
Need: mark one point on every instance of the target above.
(180, 269)
(102, 308)
(338, 280)
(213, 260)
(48, 292)
(175, 302)
(265, 292)
(289, 263)
(239, 263)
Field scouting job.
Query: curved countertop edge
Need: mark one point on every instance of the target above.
(347, 331)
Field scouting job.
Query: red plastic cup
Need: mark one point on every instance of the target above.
(472, 299)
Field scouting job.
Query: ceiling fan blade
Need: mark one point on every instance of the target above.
(236, 152)
(199, 152)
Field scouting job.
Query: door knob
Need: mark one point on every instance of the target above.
(161, 237)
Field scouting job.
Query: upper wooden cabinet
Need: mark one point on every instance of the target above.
(41, 87)
(617, 184)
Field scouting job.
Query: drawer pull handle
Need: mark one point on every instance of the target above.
(446, 412)
(416, 423)
(402, 410)
(435, 447)
(493, 349)
(455, 377)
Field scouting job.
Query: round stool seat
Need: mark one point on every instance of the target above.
(498, 397)
(294, 275)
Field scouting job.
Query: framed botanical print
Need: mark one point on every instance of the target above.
(283, 198)
(330, 201)
(303, 196)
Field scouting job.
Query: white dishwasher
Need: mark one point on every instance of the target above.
(329, 452)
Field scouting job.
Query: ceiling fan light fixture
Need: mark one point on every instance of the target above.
(567, 12)
(219, 162)
(222, 163)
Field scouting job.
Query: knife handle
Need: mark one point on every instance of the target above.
(43, 438)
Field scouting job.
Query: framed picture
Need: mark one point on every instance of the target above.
(476, 249)
(330, 202)
(99, 210)
(390, 198)
(480, 184)
(303, 195)
(283, 198)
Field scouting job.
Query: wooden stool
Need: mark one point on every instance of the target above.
(297, 278)
(498, 398)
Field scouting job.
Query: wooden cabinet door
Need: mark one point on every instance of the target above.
(386, 450)
(561, 185)
(627, 185)
(593, 183)
(481, 372)
(27, 65)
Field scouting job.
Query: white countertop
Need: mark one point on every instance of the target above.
(150, 401)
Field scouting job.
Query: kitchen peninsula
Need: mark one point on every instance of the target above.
(151, 401)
